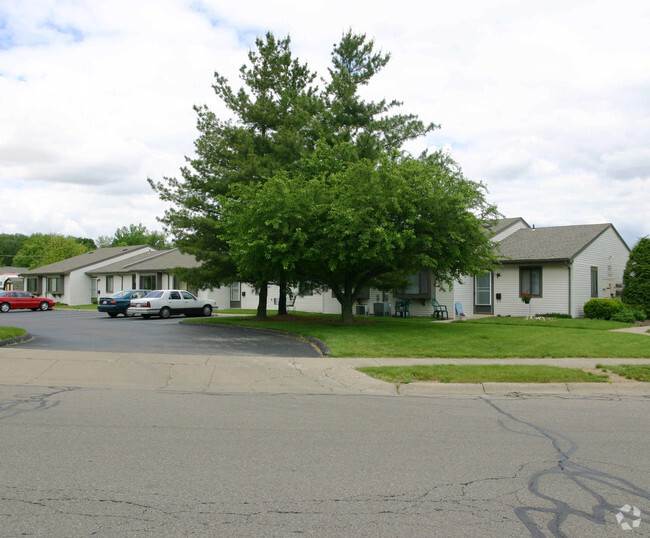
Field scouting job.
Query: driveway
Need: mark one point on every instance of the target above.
(68, 330)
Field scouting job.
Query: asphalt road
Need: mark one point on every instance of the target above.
(94, 331)
(81, 462)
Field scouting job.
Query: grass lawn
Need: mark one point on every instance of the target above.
(11, 332)
(76, 307)
(484, 338)
(639, 372)
(473, 373)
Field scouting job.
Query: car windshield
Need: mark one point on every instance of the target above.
(120, 294)
(154, 294)
(4, 294)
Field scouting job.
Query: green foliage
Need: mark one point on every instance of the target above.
(273, 125)
(135, 234)
(42, 249)
(636, 278)
(10, 244)
(556, 315)
(602, 308)
(629, 315)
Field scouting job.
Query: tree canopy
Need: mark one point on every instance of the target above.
(636, 277)
(315, 186)
(134, 234)
(43, 249)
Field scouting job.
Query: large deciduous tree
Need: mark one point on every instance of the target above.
(366, 223)
(270, 128)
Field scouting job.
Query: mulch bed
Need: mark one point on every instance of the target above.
(307, 319)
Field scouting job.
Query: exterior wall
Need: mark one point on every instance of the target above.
(610, 255)
(555, 291)
(464, 294)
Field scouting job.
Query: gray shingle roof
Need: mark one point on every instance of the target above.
(64, 267)
(160, 260)
(555, 243)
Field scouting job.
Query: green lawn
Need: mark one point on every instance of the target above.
(476, 373)
(11, 332)
(485, 338)
(639, 372)
(76, 307)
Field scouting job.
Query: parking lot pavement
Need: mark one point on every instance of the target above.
(262, 374)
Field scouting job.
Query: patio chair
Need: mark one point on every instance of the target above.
(402, 308)
(459, 310)
(439, 310)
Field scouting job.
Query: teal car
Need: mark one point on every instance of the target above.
(120, 302)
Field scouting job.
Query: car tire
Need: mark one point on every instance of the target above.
(4, 307)
(44, 306)
(165, 312)
(112, 314)
(128, 312)
(207, 310)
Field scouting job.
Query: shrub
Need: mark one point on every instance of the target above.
(556, 315)
(602, 308)
(625, 316)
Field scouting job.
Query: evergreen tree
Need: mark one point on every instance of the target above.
(636, 278)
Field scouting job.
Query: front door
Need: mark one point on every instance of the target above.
(483, 294)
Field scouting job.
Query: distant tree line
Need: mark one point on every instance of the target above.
(36, 250)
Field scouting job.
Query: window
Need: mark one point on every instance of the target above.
(305, 288)
(530, 281)
(32, 285)
(188, 295)
(235, 292)
(133, 282)
(594, 282)
(148, 282)
(419, 286)
(175, 295)
(54, 285)
(109, 284)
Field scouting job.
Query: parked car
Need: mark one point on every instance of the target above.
(165, 303)
(120, 302)
(10, 300)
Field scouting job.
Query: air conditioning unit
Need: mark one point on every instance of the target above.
(381, 309)
(361, 310)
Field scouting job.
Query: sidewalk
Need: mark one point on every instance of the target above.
(260, 374)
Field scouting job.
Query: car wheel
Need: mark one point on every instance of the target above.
(4, 307)
(165, 312)
(112, 314)
(128, 312)
(44, 306)
(146, 316)
(207, 310)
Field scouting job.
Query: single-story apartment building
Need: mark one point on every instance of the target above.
(562, 267)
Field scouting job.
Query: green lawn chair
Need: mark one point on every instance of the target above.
(439, 310)
(402, 308)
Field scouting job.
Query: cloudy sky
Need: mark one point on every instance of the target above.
(547, 103)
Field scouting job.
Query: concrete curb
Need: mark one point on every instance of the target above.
(318, 344)
(16, 340)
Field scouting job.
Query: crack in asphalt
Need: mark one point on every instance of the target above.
(26, 403)
(586, 479)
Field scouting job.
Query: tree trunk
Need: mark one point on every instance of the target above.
(261, 305)
(346, 309)
(282, 300)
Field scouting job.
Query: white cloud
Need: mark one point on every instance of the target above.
(546, 103)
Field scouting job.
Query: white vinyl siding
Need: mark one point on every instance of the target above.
(609, 255)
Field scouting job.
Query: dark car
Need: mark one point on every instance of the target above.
(120, 302)
(10, 300)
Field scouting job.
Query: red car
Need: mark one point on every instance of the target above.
(10, 300)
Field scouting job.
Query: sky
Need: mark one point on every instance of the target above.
(547, 103)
